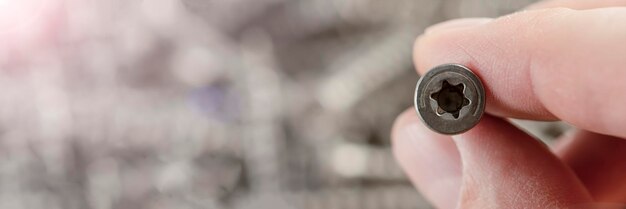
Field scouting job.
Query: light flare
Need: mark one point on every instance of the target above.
(20, 19)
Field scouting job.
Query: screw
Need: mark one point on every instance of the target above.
(450, 99)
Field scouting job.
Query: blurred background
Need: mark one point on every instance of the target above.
(211, 103)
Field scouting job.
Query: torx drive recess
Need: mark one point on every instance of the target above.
(450, 99)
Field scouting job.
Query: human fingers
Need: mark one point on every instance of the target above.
(543, 65)
(430, 160)
(504, 167)
(577, 4)
(599, 161)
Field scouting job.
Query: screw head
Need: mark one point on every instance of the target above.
(450, 99)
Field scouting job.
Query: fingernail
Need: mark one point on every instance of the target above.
(456, 24)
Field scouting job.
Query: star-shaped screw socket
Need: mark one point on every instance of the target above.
(450, 99)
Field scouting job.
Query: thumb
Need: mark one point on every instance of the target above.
(504, 167)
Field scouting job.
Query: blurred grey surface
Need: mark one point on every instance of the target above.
(211, 103)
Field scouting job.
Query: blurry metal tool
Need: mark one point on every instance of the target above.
(450, 99)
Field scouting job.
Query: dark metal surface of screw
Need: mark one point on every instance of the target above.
(450, 99)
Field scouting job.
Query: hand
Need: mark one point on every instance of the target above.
(539, 64)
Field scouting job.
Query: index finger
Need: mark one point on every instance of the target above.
(543, 65)
(577, 4)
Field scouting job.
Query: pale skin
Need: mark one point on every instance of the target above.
(557, 60)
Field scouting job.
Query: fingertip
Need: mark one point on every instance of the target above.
(415, 145)
(504, 167)
(438, 47)
(430, 160)
(496, 52)
(576, 4)
(456, 24)
(404, 119)
(410, 137)
(438, 34)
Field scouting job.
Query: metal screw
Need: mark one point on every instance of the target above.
(450, 99)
